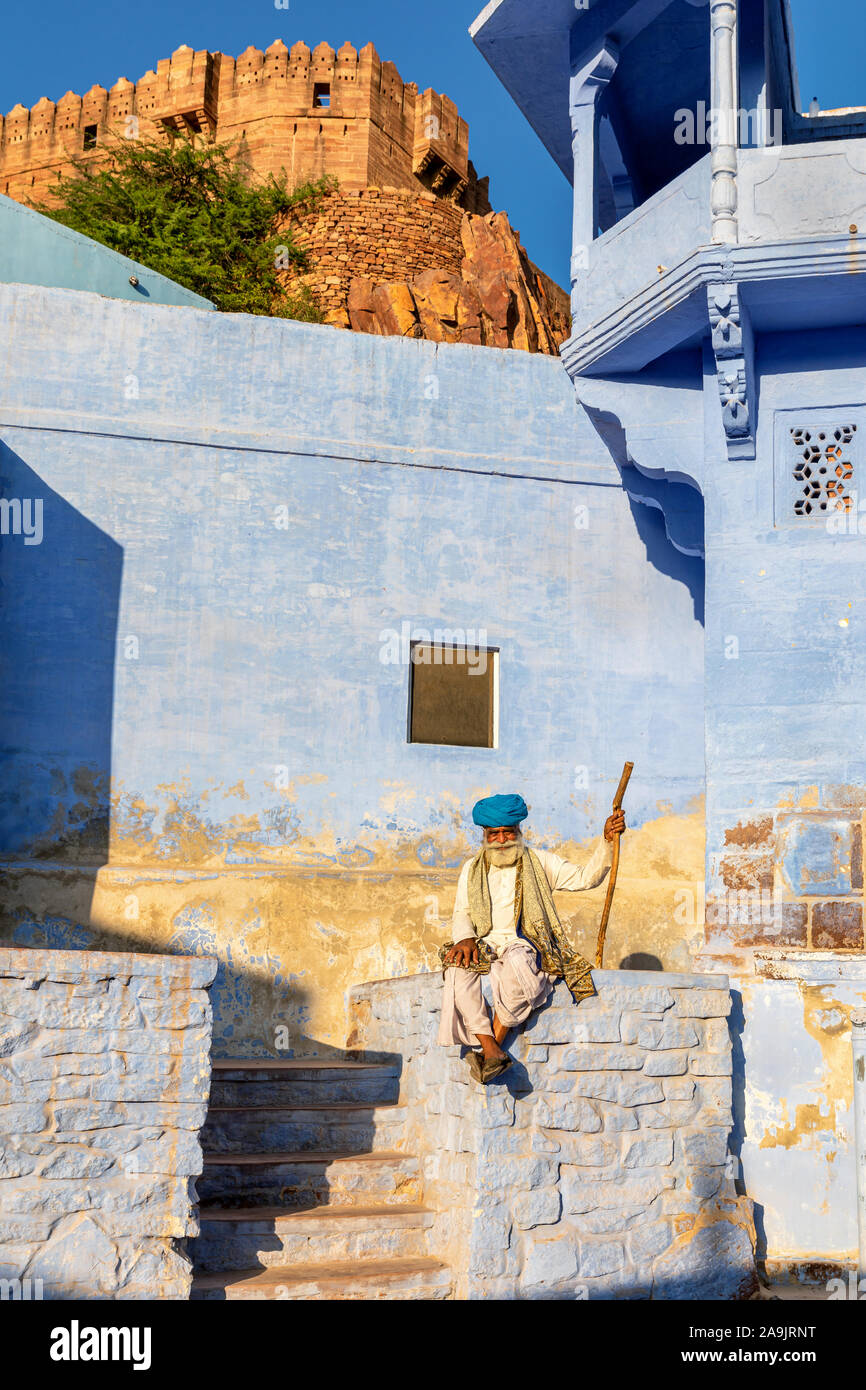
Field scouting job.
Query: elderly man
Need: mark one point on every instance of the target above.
(505, 924)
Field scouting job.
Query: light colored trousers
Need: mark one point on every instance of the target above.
(517, 984)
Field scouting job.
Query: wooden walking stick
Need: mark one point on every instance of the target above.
(611, 883)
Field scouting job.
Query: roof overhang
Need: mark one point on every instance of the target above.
(530, 45)
(789, 285)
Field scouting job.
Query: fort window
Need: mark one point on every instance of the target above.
(90, 137)
(322, 94)
(453, 694)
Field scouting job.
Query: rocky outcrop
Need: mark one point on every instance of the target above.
(398, 264)
(498, 298)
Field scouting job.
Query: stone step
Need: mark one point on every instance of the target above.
(309, 1178)
(303, 1081)
(405, 1279)
(254, 1066)
(244, 1238)
(341, 1127)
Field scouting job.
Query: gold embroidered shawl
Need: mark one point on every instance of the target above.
(533, 900)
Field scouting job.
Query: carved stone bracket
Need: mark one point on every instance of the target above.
(734, 350)
(207, 123)
(200, 121)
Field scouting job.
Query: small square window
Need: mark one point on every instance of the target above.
(322, 94)
(453, 695)
(90, 137)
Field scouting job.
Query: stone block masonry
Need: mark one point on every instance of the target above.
(104, 1081)
(395, 263)
(598, 1167)
(790, 877)
(377, 234)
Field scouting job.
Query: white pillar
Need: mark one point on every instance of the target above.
(588, 81)
(725, 119)
(583, 159)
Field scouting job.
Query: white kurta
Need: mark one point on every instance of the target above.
(517, 982)
(561, 875)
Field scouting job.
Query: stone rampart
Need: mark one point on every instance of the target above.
(385, 261)
(307, 113)
(598, 1167)
(104, 1081)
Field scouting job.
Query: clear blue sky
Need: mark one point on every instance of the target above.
(56, 46)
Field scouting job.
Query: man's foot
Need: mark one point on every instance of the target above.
(490, 1048)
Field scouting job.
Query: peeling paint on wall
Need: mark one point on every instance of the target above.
(826, 1020)
(292, 940)
(238, 546)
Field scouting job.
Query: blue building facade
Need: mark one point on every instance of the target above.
(243, 525)
(719, 345)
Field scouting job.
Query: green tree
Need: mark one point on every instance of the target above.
(194, 213)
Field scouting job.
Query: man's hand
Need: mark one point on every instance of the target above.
(463, 953)
(614, 825)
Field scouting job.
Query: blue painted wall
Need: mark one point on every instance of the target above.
(786, 656)
(407, 499)
(258, 503)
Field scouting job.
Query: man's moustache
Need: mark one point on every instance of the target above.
(504, 854)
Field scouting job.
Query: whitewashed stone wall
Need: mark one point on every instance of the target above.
(598, 1166)
(104, 1080)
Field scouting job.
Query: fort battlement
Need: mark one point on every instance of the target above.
(311, 113)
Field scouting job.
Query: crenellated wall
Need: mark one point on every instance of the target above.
(343, 113)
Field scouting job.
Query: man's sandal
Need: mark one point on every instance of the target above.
(494, 1068)
(473, 1061)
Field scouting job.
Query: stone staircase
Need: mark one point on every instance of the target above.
(307, 1190)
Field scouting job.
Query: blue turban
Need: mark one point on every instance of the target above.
(493, 811)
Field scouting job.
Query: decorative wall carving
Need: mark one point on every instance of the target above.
(818, 466)
(733, 347)
(823, 470)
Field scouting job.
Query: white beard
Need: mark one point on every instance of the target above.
(504, 856)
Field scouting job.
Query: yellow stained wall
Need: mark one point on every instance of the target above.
(292, 940)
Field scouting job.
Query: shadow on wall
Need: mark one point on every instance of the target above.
(737, 1024)
(60, 578)
(662, 507)
(60, 585)
(640, 960)
(664, 556)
